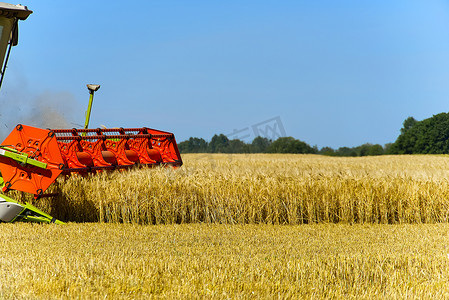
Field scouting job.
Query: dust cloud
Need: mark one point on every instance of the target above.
(46, 110)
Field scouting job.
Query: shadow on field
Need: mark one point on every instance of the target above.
(68, 209)
(64, 207)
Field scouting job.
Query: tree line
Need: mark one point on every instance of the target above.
(429, 136)
(220, 143)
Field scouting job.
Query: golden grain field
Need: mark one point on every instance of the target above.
(261, 188)
(217, 261)
(232, 227)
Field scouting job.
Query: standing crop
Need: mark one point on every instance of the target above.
(262, 188)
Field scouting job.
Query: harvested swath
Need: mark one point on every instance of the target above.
(196, 261)
(262, 188)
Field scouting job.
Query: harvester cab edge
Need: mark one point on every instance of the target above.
(10, 15)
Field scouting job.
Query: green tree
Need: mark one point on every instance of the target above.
(345, 151)
(429, 136)
(260, 144)
(387, 147)
(238, 146)
(376, 150)
(219, 144)
(408, 124)
(327, 151)
(369, 150)
(193, 145)
(290, 145)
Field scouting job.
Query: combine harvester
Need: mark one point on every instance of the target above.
(32, 158)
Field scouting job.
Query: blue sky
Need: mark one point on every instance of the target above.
(335, 73)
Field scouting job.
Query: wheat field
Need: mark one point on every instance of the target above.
(240, 227)
(218, 261)
(261, 189)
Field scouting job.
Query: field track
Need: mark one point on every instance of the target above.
(261, 188)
